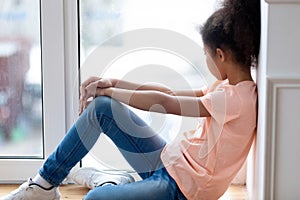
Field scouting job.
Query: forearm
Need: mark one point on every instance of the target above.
(147, 100)
(155, 87)
(117, 83)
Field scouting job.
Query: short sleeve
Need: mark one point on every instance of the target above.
(223, 104)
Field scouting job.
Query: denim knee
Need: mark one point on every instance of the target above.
(98, 106)
(103, 104)
(111, 108)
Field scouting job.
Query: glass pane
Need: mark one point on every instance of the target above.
(20, 79)
(103, 19)
(121, 32)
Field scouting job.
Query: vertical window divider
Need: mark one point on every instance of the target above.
(53, 63)
(71, 52)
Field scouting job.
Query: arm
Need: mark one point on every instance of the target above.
(89, 89)
(155, 87)
(95, 82)
(157, 101)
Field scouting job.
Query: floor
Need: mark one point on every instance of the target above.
(76, 192)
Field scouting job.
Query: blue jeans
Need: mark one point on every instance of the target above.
(137, 142)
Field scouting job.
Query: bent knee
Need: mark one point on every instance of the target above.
(100, 103)
(103, 100)
(103, 103)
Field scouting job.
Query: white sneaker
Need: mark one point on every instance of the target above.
(91, 177)
(32, 191)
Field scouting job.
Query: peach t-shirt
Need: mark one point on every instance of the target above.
(203, 162)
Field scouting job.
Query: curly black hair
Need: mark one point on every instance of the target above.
(235, 26)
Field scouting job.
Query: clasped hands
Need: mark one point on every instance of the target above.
(89, 89)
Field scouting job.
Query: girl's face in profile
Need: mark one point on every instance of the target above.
(213, 68)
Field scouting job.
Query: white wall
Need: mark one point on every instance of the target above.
(276, 156)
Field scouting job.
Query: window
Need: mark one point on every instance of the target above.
(31, 55)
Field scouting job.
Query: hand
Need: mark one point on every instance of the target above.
(88, 90)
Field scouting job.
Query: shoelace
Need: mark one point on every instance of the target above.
(32, 183)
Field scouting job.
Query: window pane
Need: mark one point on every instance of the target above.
(122, 31)
(102, 19)
(20, 79)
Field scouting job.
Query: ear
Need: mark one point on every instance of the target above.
(220, 54)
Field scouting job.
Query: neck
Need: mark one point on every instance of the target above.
(237, 74)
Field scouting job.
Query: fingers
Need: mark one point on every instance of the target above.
(87, 91)
(86, 83)
(82, 105)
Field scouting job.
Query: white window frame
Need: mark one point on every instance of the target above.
(58, 51)
(72, 61)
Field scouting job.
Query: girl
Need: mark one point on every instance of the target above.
(199, 164)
